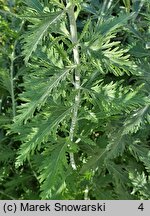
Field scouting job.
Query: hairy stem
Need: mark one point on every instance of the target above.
(74, 39)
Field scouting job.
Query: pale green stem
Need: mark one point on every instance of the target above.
(74, 39)
(12, 84)
(86, 193)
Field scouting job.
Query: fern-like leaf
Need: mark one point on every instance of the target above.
(117, 145)
(53, 170)
(38, 95)
(96, 160)
(141, 153)
(119, 174)
(138, 118)
(40, 133)
(35, 5)
(114, 23)
(33, 38)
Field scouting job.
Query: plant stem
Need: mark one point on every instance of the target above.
(86, 193)
(74, 39)
(12, 58)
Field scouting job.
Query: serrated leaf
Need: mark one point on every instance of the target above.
(117, 145)
(119, 174)
(41, 133)
(141, 153)
(95, 161)
(53, 170)
(35, 99)
(85, 29)
(33, 38)
(114, 23)
(136, 120)
(34, 4)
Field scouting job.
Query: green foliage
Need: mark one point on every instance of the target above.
(74, 99)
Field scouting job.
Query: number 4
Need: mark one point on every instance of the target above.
(141, 207)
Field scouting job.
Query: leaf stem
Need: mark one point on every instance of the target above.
(12, 58)
(74, 39)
